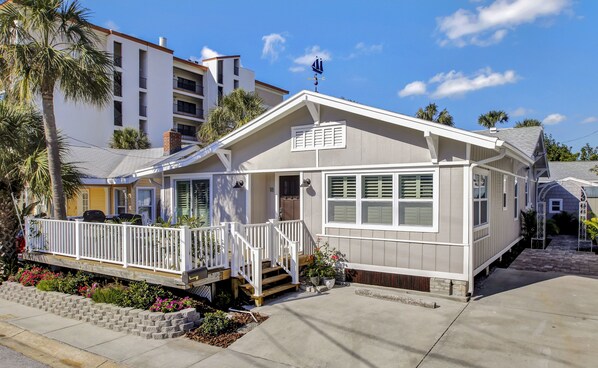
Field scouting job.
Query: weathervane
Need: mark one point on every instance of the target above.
(318, 68)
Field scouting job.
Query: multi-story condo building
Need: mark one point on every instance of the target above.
(155, 91)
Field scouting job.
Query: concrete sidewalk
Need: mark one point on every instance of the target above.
(63, 342)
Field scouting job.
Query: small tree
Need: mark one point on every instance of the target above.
(234, 110)
(431, 113)
(493, 117)
(556, 151)
(129, 138)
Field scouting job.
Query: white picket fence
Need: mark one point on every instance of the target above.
(240, 247)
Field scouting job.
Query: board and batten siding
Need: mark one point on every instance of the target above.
(502, 229)
(392, 248)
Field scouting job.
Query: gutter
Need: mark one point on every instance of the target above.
(501, 155)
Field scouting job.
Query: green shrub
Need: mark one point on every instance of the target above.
(551, 228)
(49, 284)
(70, 284)
(215, 323)
(566, 223)
(112, 294)
(529, 225)
(223, 300)
(142, 295)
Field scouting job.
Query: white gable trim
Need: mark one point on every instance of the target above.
(313, 102)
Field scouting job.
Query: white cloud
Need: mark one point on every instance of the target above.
(488, 25)
(362, 48)
(297, 69)
(273, 46)
(310, 55)
(553, 119)
(413, 89)
(588, 120)
(520, 111)
(208, 53)
(453, 84)
(111, 25)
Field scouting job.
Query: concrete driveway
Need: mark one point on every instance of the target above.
(518, 319)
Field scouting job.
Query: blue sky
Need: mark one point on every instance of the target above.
(532, 58)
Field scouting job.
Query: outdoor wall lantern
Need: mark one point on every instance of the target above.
(306, 183)
(239, 184)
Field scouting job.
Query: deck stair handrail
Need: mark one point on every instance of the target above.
(258, 235)
(286, 252)
(246, 259)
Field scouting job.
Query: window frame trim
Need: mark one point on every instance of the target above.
(153, 206)
(395, 200)
(560, 202)
(115, 198)
(516, 198)
(176, 178)
(485, 225)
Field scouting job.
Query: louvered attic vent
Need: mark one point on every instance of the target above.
(324, 136)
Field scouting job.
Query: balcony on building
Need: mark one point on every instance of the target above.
(142, 82)
(188, 85)
(142, 110)
(188, 109)
(188, 132)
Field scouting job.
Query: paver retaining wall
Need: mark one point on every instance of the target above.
(150, 325)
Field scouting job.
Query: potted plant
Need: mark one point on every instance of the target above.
(328, 276)
(313, 273)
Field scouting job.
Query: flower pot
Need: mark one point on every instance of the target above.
(329, 282)
(315, 280)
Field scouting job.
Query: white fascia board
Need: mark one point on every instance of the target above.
(94, 181)
(404, 120)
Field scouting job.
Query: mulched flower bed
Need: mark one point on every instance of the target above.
(225, 339)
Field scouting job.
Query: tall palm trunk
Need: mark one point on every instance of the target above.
(54, 166)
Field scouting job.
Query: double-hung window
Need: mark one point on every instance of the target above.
(400, 201)
(120, 201)
(342, 199)
(480, 199)
(504, 192)
(193, 199)
(555, 205)
(416, 199)
(376, 199)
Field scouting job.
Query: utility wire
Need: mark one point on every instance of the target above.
(585, 136)
(91, 145)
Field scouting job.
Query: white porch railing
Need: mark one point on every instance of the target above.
(287, 254)
(243, 248)
(246, 260)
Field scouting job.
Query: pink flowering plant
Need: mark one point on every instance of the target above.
(88, 291)
(167, 305)
(324, 262)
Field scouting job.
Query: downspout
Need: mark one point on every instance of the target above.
(503, 153)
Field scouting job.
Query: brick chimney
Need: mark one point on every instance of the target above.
(172, 142)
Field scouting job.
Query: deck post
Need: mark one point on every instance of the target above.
(27, 235)
(125, 242)
(78, 226)
(271, 243)
(256, 269)
(295, 263)
(185, 248)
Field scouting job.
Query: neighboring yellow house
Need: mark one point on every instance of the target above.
(110, 184)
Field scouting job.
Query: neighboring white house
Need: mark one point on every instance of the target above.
(155, 91)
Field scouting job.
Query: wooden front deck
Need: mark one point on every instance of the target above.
(171, 280)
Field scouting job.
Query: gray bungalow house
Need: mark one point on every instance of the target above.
(411, 203)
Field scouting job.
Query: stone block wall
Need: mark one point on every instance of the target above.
(448, 287)
(150, 325)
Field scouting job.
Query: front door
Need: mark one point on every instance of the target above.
(288, 205)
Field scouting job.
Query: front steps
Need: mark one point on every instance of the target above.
(274, 281)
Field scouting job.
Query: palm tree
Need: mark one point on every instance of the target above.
(129, 138)
(24, 157)
(49, 44)
(528, 123)
(493, 117)
(430, 113)
(234, 110)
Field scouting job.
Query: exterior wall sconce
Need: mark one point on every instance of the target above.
(239, 184)
(306, 183)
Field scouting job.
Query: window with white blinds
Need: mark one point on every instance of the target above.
(192, 199)
(324, 136)
(342, 199)
(416, 200)
(402, 201)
